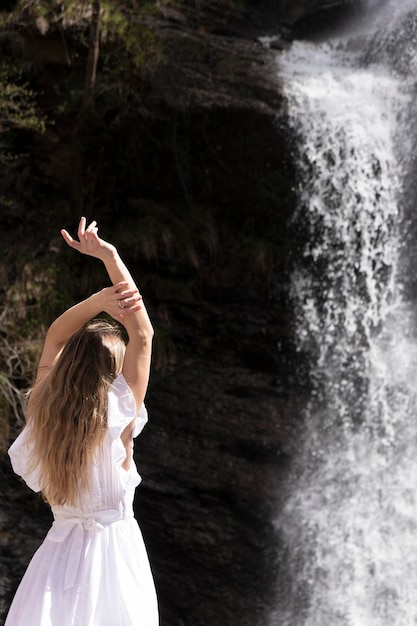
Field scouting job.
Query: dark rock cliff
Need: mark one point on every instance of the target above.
(204, 159)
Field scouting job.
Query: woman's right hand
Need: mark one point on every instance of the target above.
(89, 242)
(120, 300)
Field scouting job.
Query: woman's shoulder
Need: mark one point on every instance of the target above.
(122, 408)
(120, 389)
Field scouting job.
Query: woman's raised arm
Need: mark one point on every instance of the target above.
(131, 309)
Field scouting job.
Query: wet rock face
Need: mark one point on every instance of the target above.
(213, 459)
(253, 18)
(214, 71)
(215, 453)
(261, 11)
(206, 503)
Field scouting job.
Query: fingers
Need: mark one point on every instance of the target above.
(68, 239)
(132, 303)
(134, 308)
(118, 287)
(124, 292)
(84, 232)
(129, 302)
(66, 236)
(121, 300)
(128, 293)
(91, 232)
(92, 227)
(81, 228)
(127, 298)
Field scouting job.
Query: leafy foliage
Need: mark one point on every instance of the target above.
(18, 109)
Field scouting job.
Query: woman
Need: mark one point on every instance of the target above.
(77, 448)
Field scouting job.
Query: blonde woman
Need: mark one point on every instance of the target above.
(77, 449)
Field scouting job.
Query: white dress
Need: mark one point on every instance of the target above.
(92, 568)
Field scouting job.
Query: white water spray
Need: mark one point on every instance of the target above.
(349, 523)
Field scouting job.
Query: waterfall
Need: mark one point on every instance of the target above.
(348, 520)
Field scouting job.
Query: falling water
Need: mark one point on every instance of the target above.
(348, 525)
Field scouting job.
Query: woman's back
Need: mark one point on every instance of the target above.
(112, 486)
(93, 562)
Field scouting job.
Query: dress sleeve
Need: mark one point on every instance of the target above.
(121, 411)
(19, 453)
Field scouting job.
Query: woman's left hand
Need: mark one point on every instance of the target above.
(120, 300)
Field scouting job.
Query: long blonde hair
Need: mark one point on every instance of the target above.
(68, 411)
